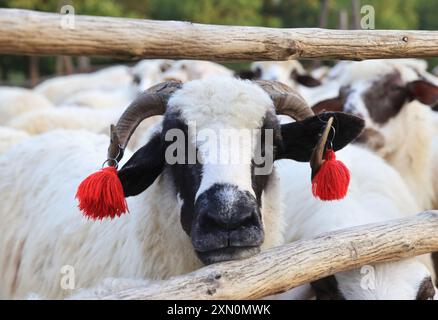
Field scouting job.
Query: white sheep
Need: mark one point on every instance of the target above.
(148, 72)
(179, 219)
(94, 120)
(100, 98)
(377, 193)
(398, 129)
(15, 101)
(187, 70)
(60, 88)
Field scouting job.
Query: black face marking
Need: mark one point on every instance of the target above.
(143, 168)
(385, 98)
(186, 177)
(327, 289)
(259, 181)
(426, 290)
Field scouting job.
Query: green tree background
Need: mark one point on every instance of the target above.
(390, 14)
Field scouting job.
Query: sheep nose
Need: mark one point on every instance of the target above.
(231, 219)
(226, 217)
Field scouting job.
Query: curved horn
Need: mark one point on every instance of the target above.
(150, 103)
(316, 159)
(286, 100)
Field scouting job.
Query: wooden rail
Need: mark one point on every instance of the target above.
(285, 267)
(38, 33)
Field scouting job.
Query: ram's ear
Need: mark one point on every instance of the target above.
(335, 104)
(424, 91)
(301, 137)
(305, 79)
(143, 168)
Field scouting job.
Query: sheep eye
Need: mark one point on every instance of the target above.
(164, 67)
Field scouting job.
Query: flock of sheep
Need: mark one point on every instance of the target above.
(54, 135)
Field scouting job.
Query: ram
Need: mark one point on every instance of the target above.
(394, 97)
(377, 193)
(183, 214)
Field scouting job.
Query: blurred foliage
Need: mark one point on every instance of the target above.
(390, 14)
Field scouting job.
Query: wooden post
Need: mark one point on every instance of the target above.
(355, 7)
(282, 268)
(31, 33)
(34, 72)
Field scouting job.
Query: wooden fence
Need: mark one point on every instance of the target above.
(281, 268)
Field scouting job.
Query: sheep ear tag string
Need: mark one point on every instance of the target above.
(101, 194)
(330, 177)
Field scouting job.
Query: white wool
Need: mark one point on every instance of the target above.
(44, 230)
(111, 286)
(320, 72)
(219, 103)
(58, 88)
(41, 121)
(16, 101)
(231, 103)
(188, 70)
(100, 98)
(408, 148)
(376, 193)
(10, 137)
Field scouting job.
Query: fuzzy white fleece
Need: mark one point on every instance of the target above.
(18, 101)
(10, 137)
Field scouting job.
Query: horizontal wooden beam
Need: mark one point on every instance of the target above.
(297, 263)
(38, 33)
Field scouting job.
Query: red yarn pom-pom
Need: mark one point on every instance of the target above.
(332, 179)
(101, 195)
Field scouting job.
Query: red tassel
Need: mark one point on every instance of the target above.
(101, 195)
(332, 179)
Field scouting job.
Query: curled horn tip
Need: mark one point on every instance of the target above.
(316, 160)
